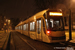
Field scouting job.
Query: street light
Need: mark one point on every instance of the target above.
(70, 34)
(8, 21)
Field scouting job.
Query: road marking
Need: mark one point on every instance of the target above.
(27, 43)
(68, 45)
(62, 43)
(71, 46)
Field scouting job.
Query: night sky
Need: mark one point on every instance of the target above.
(17, 8)
(20, 8)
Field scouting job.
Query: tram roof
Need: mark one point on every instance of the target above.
(37, 14)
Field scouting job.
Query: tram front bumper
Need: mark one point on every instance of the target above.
(58, 39)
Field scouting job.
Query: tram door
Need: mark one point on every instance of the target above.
(39, 29)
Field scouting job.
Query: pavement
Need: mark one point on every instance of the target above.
(73, 36)
(71, 43)
(4, 39)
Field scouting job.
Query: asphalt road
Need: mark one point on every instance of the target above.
(21, 42)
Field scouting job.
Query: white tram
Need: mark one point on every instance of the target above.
(46, 26)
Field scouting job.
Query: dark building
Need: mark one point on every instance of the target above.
(2, 21)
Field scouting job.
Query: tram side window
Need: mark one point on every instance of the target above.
(46, 23)
(27, 27)
(50, 24)
(17, 28)
(38, 26)
(21, 27)
(32, 26)
(24, 27)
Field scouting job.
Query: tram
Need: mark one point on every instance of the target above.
(46, 26)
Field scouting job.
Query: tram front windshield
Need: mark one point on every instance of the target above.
(55, 24)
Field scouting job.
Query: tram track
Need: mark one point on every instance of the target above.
(20, 43)
(42, 43)
(13, 47)
(26, 42)
(68, 45)
(37, 45)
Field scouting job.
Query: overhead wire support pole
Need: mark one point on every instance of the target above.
(70, 30)
(70, 34)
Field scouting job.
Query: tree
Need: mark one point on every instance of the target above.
(14, 22)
